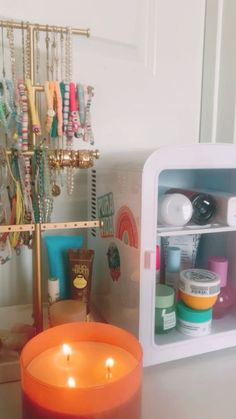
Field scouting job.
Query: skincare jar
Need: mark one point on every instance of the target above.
(199, 288)
(165, 317)
(193, 322)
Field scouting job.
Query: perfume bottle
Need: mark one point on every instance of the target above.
(226, 298)
(204, 208)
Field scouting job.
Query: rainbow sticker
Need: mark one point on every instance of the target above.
(126, 228)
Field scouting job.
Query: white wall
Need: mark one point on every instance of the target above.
(227, 85)
(219, 81)
(144, 58)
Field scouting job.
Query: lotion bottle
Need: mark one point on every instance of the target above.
(173, 267)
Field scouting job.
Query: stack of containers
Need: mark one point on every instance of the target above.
(190, 298)
(198, 292)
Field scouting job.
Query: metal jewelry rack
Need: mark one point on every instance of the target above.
(57, 158)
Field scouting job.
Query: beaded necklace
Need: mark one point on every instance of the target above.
(25, 179)
(27, 53)
(42, 194)
(4, 198)
(23, 117)
(5, 108)
(23, 50)
(17, 204)
(47, 42)
(73, 108)
(88, 134)
(10, 35)
(48, 88)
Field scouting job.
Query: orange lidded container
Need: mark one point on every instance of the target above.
(199, 288)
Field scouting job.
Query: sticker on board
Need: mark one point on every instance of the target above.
(113, 257)
(126, 228)
(105, 204)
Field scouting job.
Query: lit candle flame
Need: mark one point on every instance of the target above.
(71, 382)
(109, 364)
(67, 351)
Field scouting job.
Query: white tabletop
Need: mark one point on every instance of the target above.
(201, 387)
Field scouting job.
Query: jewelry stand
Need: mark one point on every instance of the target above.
(80, 159)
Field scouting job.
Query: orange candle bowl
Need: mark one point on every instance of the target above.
(98, 377)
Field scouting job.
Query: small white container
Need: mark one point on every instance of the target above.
(174, 209)
(53, 290)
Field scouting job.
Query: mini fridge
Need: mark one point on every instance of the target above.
(124, 193)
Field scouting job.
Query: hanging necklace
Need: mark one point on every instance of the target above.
(47, 42)
(27, 53)
(25, 180)
(3, 190)
(88, 133)
(68, 56)
(62, 56)
(23, 118)
(23, 50)
(49, 93)
(68, 79)
(33, 111)
(37, 55)
(10, 35)
(56, 57)
(3, 56)
(17, 206)
(6, 96)
(53, 56)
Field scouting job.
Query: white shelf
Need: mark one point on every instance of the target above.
(193, 229)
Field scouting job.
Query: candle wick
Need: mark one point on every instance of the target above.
(68, 357)
(109, 373)
(109, 365)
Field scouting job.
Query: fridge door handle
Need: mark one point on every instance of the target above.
(149, 259)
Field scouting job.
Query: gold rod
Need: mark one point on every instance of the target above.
(43, 28)
(37, 281)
